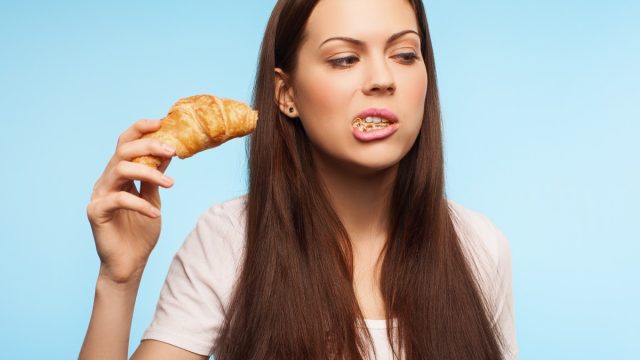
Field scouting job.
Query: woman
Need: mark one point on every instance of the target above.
(345, 246)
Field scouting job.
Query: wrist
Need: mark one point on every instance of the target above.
(106, 279)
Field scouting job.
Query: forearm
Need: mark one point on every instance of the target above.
(110, 325)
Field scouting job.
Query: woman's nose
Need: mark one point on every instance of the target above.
(379, 79)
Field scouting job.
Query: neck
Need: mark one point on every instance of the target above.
(361, 200)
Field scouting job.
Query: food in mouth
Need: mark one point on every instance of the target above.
(370, 123)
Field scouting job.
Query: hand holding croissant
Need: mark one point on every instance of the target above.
(200, 122)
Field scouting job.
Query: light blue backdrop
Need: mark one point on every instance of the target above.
(540, 102)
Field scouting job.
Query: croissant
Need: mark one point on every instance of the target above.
(200, 122)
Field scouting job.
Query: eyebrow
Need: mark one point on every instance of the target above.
(360, 43)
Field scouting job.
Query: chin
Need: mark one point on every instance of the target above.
(367, 166)
(360, 161)
(380, 156)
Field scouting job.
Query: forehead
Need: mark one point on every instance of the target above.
(367, 20)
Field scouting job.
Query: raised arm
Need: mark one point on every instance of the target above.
(125, 223)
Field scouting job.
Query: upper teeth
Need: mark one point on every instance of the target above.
(374, 119)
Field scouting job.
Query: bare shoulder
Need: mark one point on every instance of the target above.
(158, 350)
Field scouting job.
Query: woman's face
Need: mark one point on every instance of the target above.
(358, 55)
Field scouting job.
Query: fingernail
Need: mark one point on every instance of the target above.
(168, 148)
(167, 180)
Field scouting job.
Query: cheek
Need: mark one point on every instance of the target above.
(414, 94)
(412, 86)
(323, 101)
(323, 93)
(416, 86)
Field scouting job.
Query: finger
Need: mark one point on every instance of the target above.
(150, 191)
(125, 171)
(102, 210)
(139, 147)
(119, 175)
(138, 129)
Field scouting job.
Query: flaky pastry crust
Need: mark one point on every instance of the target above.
(201, 122)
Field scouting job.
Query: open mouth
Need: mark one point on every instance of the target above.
(370, 123)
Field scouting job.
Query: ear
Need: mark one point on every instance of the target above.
(284, 94)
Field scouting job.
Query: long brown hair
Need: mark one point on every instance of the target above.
(294, 297)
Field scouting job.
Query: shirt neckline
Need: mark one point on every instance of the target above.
(378, 323)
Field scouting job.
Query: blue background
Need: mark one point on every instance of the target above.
(540, 103)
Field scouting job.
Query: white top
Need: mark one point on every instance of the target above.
(198, 286)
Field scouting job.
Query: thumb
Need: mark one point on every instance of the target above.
(150, 191)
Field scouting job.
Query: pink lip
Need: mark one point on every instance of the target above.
(378, 133)
(379, 112)
(375, 134)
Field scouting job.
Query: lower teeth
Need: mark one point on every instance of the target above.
(370, 126)
(365, 126)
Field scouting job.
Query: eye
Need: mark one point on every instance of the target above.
(407, 57)
(343, 62)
